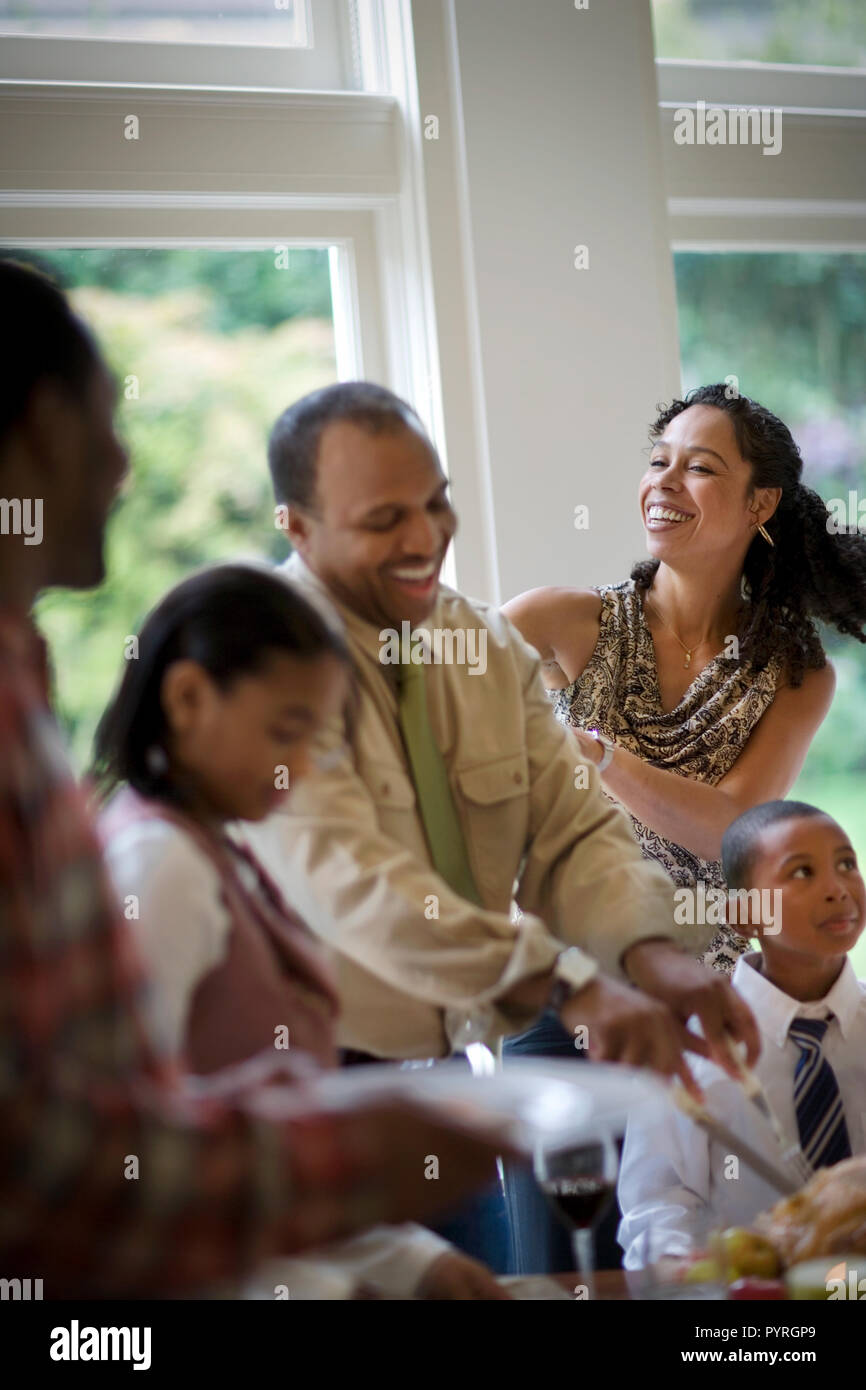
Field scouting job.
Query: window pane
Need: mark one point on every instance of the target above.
(281, 22)
(207, 347)
(792, 329)
(816, 32)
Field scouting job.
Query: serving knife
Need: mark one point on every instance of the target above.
(777, 1179)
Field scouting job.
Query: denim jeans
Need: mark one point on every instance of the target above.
(540, 1244)
(480, 1225)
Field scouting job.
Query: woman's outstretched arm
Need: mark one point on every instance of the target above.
(695, 815)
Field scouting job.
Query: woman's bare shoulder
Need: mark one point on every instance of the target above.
(562, 624)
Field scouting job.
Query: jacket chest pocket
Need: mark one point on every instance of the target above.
(393, 793)
(495, 797)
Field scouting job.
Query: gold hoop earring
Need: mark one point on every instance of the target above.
(767, 537)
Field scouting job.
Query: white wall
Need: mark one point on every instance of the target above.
(562, 146)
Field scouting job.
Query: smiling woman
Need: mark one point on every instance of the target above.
(704, 671)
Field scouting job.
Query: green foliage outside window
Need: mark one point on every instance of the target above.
(831, 32)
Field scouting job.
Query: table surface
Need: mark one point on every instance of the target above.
(611, 1285)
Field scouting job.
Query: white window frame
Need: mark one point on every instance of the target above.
(813, 199)
(216, 226)
(328, 61)
(341, 190)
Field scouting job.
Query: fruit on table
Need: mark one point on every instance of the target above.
(702, 1271)
(747, 1254)
(754, 1288)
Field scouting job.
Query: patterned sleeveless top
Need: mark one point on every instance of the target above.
(618, 693)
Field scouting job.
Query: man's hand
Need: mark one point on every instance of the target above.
(627, 1026)
(456, 1276)
(661, 969)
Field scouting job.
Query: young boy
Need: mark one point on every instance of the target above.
(811, 1011)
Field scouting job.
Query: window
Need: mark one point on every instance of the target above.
(792, 325)
(285, 44)
(815, 32)
(232, 21)
(124, 143)
(792, 328)
(746, 54)
(207, 347)
(152, 167)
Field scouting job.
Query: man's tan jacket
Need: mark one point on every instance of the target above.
(420, 969)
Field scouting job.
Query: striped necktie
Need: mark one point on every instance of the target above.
(432, 787)
(820, 1117)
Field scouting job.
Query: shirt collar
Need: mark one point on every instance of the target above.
(776, 1011)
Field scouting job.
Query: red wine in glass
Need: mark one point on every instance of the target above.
(579, 1201)
(579, 1182)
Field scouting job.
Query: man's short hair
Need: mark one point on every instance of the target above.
(45, 340)
(293, 446)
(741, 842)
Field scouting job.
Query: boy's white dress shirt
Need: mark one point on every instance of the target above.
(671, 1169)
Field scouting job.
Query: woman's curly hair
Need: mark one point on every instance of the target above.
(810, 572)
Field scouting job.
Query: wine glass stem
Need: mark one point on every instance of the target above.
(584, 1257)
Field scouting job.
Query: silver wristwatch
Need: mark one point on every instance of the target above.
(573, 970)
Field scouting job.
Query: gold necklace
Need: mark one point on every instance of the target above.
(688, 650)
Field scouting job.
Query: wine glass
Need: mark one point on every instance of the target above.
(579, 1182)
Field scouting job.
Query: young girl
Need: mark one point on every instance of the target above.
(213, 720)
(211, 723)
